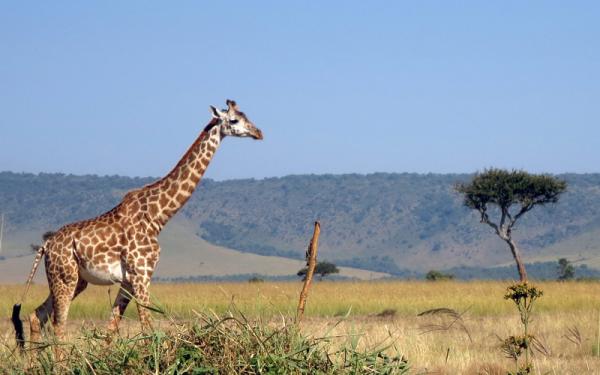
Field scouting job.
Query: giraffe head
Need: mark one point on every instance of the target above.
(235, 123)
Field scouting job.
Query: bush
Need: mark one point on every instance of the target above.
(434, 275)
(566, 271)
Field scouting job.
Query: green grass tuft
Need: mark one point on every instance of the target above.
(210, 344)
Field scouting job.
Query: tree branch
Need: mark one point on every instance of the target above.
(505, 214)
(485, 219)
(521, 212)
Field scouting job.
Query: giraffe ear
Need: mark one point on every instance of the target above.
(231, 105)
(216, 113)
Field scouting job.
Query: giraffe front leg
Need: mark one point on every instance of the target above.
(140, 267)
(140, 291)
(120, 305)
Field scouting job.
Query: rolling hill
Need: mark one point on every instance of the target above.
(185, 255)
(391, 223)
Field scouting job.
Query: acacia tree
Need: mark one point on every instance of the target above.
(322, 268)
(513, 193)
(566, 271)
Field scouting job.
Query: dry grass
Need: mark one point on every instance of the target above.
(327, 299)
(566, 319)
(452, 352)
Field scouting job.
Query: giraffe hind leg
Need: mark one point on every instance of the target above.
(64, 292)
(39, 318)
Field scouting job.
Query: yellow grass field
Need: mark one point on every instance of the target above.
(566, 320)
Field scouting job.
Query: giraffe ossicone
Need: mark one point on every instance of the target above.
(121, 245)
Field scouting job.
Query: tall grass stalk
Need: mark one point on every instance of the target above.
(524, 297)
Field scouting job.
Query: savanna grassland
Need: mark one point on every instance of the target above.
(348, 326)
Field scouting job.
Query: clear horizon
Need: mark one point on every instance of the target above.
(361, 88)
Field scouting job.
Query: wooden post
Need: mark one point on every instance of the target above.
(311, 262)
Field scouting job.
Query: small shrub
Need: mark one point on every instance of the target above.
(435, 275)
(565, 269)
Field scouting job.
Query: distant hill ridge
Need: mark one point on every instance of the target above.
(387, 222)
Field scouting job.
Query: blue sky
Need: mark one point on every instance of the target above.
(336, 87)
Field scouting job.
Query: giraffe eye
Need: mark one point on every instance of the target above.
(234, 121)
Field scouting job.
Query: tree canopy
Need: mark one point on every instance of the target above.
(506, 188)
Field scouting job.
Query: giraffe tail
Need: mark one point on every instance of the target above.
(18, 323)
(16, 319)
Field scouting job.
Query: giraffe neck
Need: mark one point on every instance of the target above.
(169, 194)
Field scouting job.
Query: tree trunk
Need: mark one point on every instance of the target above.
(517, 255)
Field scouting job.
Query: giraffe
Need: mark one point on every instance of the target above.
(121, 245)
